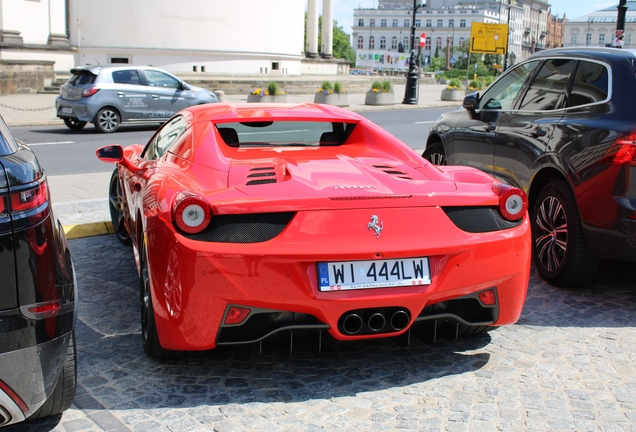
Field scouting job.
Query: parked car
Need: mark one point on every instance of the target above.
(108, 96)
(560, 126)
(38, 293)
(251, 221)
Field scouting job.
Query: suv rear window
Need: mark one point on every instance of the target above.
(85, 78)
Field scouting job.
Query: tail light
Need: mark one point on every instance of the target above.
(191, 213)
(622, 151)
(90, 91)
(29, 198)
(236, 315)
(513, 202)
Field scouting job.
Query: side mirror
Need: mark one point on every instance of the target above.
(111, 153)
(471, 102)
(183, 86)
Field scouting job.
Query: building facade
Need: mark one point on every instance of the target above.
(554, 38)
(599, 28)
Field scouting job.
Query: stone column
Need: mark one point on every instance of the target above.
(311, 48)
(327, 29)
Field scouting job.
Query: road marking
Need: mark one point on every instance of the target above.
(424, 122)
(51, 143)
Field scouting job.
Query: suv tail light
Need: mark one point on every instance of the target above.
(622, 151)
(28, 199)
(513, 202)
(90, 91)
(191, 213)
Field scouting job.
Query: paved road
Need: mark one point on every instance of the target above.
(65, 152)
(569, 364)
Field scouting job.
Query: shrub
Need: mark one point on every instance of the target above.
(376, 85)
(454, 84)
(475, 85)
(387, 86)
(272, 89)
(337, 87)
(326, 85)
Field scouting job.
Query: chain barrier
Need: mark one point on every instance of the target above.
(26, 109)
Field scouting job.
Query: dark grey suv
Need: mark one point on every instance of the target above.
(108, 96)
(561, 126)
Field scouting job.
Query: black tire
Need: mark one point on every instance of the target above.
(62, 397)
(559, 247)
(435, 154)
(74, 124)
(107, 120)
(149, 335)
(116, 206)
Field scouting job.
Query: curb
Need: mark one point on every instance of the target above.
(90, 229)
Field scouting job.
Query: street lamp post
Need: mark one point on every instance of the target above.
(410, 92)
(505, 65)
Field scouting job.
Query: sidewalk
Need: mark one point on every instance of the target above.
(81, 202)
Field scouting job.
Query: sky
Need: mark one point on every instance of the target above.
(343, 9)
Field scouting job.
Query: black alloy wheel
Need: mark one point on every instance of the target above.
(74, 124)
(434, 153)
(560, 249)
(107, 120)
(117, 209)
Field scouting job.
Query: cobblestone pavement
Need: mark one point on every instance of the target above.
(569, 364)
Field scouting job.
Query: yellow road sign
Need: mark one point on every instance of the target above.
(488, 38)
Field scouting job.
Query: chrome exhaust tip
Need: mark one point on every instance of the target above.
(399, 320)
(376, 322)
(352, 323)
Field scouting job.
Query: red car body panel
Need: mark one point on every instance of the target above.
(333, 191)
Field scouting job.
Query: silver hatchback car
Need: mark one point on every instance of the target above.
(108, 96)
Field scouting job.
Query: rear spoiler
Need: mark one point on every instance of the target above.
(87, 69)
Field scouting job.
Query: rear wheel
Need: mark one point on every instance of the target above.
(74, 124)
(559, 247)
(107, 120)
(116, 206)
(435, 154)
(62, 397)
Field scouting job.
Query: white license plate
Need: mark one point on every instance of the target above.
(66, 110)
(352, 275)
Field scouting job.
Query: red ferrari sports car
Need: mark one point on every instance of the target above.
(249, 220)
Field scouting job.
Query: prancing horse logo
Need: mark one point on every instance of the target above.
(373, 225)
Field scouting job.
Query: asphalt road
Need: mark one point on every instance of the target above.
(63, 151)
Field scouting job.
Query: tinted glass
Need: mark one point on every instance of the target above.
(591, 84)
(83, 79)
(160, 79)
(548, 90)
(127, 77)
(284, 133)
(165, 137)
(502, 93)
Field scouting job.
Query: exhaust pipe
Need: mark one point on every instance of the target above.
(376, 322)
(352, 323)
(399, 320)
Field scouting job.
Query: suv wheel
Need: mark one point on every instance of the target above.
(107, 120)
(559, 247)
(74, 124)
(434, 153)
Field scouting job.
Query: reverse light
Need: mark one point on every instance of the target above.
(488, 297)
(191, 214)
(236, 315)
(90, 91)
(622, 151)
(513, 202)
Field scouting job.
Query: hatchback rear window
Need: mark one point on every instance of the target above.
(284, 133)
(86, 78)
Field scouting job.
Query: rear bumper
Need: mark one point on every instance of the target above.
(80, 110)
(193, 282)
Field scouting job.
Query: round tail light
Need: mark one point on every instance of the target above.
(191, 214)
(513, 202)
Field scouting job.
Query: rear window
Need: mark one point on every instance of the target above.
(591, 84)
(284, 133)
(85, 78)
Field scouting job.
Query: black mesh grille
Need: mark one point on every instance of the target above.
(262, 174)
(479, 219)
(382, 166)
(394, 172)
(262, 169)
(258, 182)
(244, 228)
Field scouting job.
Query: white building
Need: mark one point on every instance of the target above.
(598, 28)
(535, 22)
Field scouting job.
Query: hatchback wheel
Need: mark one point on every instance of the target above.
(74, 124)
(560, 249)
(107, 120)
(116, 206)
(435, 154)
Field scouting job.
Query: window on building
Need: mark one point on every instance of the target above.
(360, 22)
(588, 38)
(461, 41)
(575, 38)
(382, 42)
(382, 23)
(371, 42)
(451, 23)
(119, 60)
(428, 43)
(462, 23)
(405, 42)
(628, 40)
(360, 42)
(372, 22)
(440, 23)
(395, 23)
(406, 23)
(429, 23)
(439, 43)
(394, 43)
(418, 23)
(601, 39)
